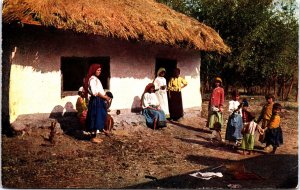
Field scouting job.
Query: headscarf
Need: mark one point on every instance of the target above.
(92, 70)
(147, 89)
(218, 79)
(160, 70)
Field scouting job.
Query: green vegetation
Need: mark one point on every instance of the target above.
(263, 36)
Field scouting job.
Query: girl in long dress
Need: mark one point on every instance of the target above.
(161, 91)
(215, 107)
(235, 121)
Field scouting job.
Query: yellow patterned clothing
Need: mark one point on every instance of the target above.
(175, 84)
(80, 106)
(274, 122)
(266, 112)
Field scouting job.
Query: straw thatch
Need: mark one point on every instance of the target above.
(141, 20)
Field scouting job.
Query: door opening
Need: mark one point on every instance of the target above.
(168, 64)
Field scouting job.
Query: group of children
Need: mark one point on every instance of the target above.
(241, 125)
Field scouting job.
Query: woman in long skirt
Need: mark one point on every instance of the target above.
(96, 114)
(175, 85)
(154, 115)
(161, 91)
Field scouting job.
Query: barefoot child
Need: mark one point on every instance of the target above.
(273, 132)
(266, 114)
(81, 107)
(235, 122)
(248, 133)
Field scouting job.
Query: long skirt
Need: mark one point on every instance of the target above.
(151, 115)
(175, 105)
(163, 101)
(96, 114)
(248, 142)
(215, 117)
(274, 137)
(234, 128)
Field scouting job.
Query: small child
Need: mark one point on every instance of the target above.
(81, 107)
(216, 138)
(248, 133)
(109, 122)
(235, 122)
(266, 114)
(108, 103)
(273, 134)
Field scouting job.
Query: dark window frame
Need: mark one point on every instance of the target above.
(74, 69)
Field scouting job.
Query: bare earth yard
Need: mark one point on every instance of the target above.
(139, 157)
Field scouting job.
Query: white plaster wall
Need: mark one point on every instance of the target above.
(35, 80)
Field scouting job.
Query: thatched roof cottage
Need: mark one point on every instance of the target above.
(48, 46)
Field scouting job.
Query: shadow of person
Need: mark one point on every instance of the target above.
(68, 120)
(136, 105)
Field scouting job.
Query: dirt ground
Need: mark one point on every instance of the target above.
(139, 157)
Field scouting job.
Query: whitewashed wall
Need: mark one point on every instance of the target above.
(35, 76)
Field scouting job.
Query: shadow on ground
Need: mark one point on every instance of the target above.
(275, 171)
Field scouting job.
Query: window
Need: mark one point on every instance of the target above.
(74, 69)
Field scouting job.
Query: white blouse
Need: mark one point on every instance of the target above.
(95, 86)
(233, 105)
(150, 99)
(160, 81)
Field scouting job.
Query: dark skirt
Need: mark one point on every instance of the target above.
(234, 128)
(151, 114)
(175, 104)
(274, 137)
(96, 114)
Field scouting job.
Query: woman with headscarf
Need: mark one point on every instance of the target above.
(155, 117)
(161, 91)
(175, 85)
(96, 114)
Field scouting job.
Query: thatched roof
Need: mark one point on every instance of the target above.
(142, 20)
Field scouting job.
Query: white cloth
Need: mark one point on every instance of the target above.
(95, 86)
(207, 175)
(233, 105)
(252, 128)
(150, 99)
(162, 94)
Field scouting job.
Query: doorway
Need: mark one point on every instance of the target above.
(168, 64)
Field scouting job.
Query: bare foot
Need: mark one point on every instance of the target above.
(96, 140)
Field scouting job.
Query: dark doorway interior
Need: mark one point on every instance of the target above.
(74, 69)
(168, 64)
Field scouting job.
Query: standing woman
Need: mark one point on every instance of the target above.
(161, 91)
(154, 115)
(96, 108)
(175, 85)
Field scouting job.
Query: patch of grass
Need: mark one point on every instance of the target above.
(292, 106)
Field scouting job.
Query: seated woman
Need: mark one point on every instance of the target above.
(155, 117)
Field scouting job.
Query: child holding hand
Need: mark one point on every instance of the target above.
(248, 132)
(273, 132)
